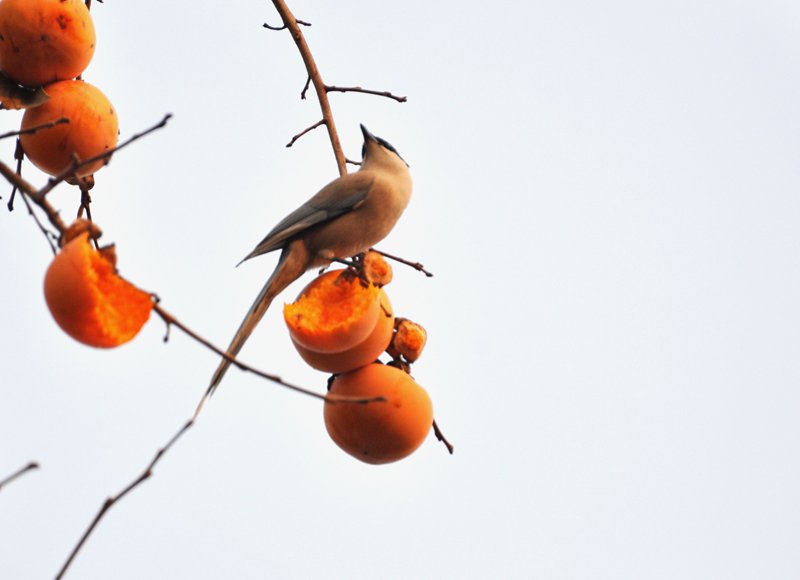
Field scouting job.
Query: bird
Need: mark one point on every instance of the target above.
(343, 219)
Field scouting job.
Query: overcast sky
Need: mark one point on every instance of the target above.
(607, 194)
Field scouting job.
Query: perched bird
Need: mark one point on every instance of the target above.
(346, 217)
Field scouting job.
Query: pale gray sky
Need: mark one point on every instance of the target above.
(607, 194)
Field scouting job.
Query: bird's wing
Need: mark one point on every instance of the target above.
(338, 197)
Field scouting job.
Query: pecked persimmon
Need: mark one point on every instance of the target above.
(42, 41)
(89, 301)
(338, 323)
(380, 432)
(92, 128)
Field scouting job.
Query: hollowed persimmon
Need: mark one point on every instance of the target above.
(380, 432)
(338, 323)
(89, 301)
(42, 41)
(92, 129)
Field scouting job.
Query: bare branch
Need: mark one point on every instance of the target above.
(51, 238)
(305, 89)
(441, 437)
(304, 131)
(291, 23)
(170, 320)
(416, 265)
(300, 22)
(18, 473)
(387, 94)
(104, 156)
(35, 128)
(145, 475)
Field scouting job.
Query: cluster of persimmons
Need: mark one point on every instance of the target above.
(341, 322)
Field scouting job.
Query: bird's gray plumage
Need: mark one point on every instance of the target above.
(346, 217)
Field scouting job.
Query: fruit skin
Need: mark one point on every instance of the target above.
(92, 129)
(333, 313)
(89, 301)
(380, 432)
(357, 355)
(42, 41)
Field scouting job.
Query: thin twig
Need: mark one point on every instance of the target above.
(145, 475)
(291, 24)
(170, 320)
(51, 238)
(387, 94)
(300, 22)
(19, 156)
(416, 265)
(35, 128)
(304, 131)
(104, 156)
(18, 473)
(305, 89)
(28, 190)
(442, 438)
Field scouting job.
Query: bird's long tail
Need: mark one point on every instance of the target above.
(290, 267)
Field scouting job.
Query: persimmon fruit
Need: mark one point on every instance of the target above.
(338, 323)
(88, 299)
(408, 340)
(92, 129)
(379, 432)
(42, 41)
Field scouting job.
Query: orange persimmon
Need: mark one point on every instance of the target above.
(92, 128)
(408, 340)
(338, 323)
(379, 432)
(89, 301)
(42, 41)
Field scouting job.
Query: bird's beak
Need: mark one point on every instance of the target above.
(367, 135)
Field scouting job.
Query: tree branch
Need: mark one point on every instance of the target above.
(304, 131)
(387, 94)
(145, 475)
(105, 155)
(170, 320)
(36, 128)
(18, 473)
(416, 265)
(291, 23)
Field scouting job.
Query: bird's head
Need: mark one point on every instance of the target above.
(377, 151)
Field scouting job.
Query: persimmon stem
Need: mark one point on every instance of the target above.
(18, 473)
(440, 436)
